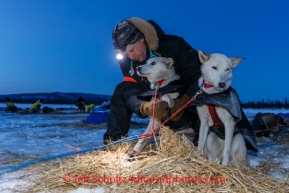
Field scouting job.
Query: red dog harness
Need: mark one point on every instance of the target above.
(212, 109)
(213, 113)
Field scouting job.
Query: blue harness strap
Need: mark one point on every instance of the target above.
(271, 142)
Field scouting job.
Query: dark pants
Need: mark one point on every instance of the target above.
(123, 103)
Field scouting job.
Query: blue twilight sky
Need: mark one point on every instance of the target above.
(66, 46)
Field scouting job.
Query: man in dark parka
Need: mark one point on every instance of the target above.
(138, 40)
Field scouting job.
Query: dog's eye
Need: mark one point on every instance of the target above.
(227, 69)
(214, 67)
(153, 63)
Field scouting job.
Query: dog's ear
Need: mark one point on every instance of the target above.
(203, 56)
(236, 61)
(169, 62)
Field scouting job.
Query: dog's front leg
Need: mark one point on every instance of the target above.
(229, 132)
(204, 127)
(143, 142)
(229, 125)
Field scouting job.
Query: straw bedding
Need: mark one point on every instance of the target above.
(174, 165)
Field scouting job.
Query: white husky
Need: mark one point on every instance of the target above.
(157, 69)
(216, 72)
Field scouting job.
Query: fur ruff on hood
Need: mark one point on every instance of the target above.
(148, 30)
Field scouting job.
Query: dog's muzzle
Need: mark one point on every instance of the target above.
(138, 70)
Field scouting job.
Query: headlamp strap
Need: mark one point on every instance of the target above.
(131, 71)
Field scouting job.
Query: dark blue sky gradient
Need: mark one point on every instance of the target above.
(66, 46)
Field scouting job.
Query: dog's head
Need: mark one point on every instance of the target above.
(216, 71)
(156, 69)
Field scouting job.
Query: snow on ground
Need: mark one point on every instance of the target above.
(28, 137)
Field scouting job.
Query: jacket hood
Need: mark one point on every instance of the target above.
(152, 32)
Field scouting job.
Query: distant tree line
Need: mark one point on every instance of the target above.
(268, 104)
(97, 99)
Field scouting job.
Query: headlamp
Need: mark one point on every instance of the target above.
(119, 56)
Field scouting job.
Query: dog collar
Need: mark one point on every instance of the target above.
(159, 83)
(207, 85)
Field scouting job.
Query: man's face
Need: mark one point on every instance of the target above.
(139, 51)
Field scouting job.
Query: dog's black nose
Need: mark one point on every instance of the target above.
(222, 84)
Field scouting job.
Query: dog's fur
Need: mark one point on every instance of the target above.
(216, 70)
(157, 69)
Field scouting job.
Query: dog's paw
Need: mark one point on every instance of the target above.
(225, 163)
(132, 156)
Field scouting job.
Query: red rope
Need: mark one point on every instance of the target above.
(173, 115)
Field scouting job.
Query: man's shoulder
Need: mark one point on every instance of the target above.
(170, 44)
(172, 41)
(171, 37)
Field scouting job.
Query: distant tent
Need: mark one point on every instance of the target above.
(99, 115)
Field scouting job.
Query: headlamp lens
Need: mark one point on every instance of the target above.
(119, 56)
